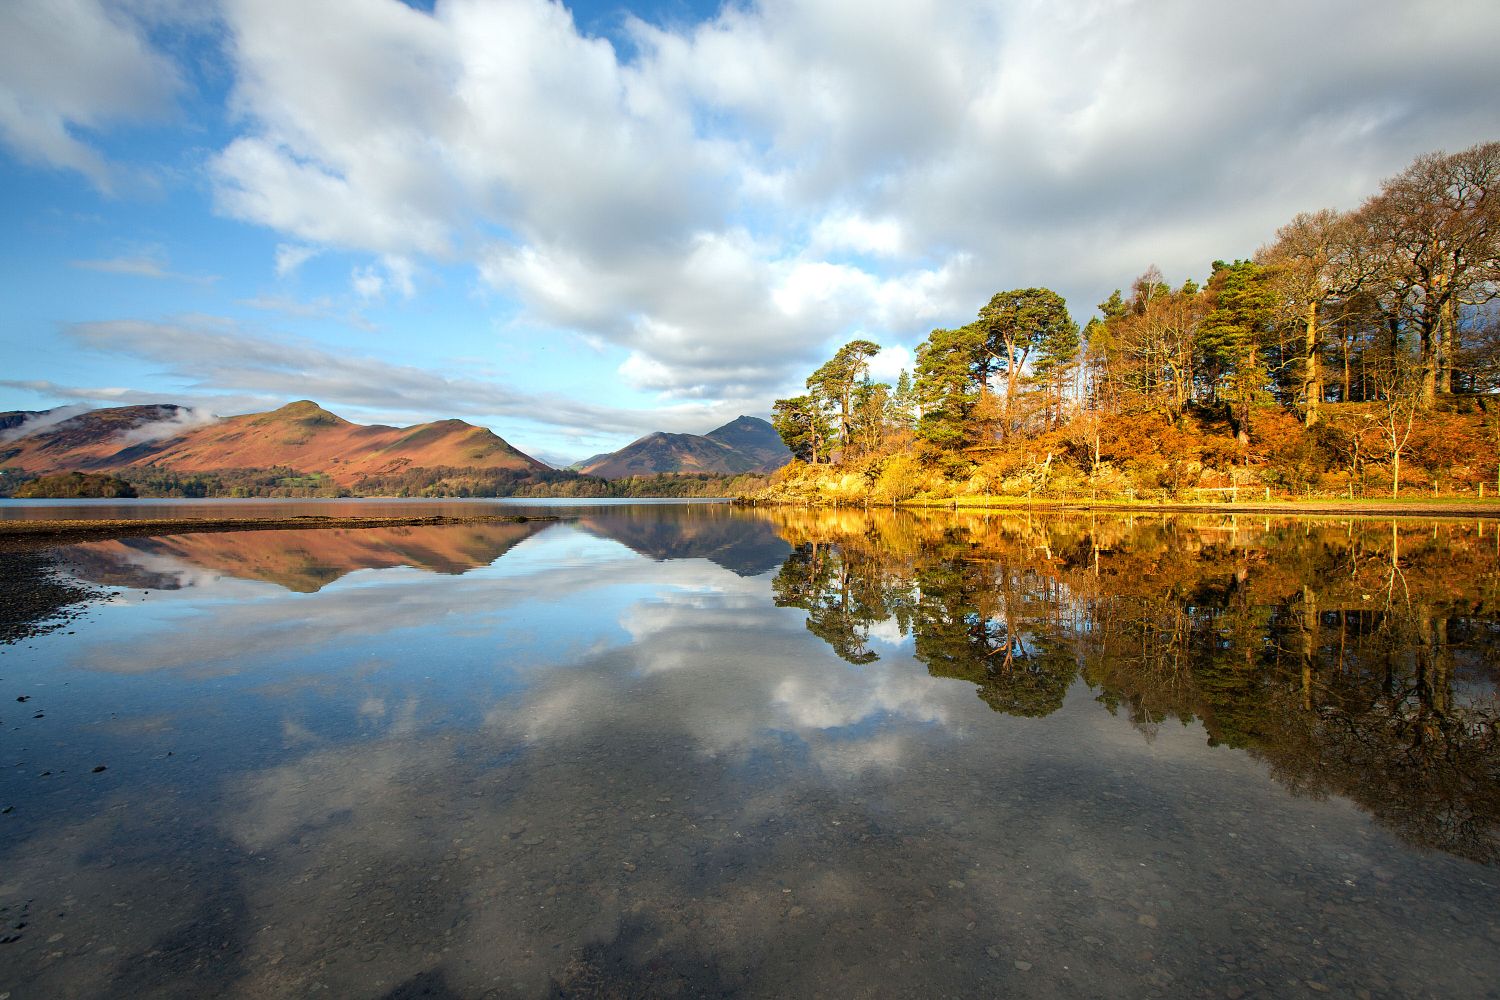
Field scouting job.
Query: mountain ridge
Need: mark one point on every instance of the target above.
(301, 435)
(745, 444)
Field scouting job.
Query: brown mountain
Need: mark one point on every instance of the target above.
(300, 435)
(745, 444)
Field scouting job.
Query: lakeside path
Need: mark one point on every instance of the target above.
(23, 534)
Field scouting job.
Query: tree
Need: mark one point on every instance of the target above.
(1317, 261)
(1229, 338)
(803, 426)
(1021, 322)
(834, 383)
(1403, 392)
(947, 384)
(1435, 232)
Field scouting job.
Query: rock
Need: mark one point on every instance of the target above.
(1023, 966)
(1146, 920)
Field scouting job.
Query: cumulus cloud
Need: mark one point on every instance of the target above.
(69, 67)
(727, 201)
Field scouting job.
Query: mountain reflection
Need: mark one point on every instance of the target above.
(306, 561)
(1355, 657)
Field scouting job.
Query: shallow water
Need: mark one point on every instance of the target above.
(697, 750)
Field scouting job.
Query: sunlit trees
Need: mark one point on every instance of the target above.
(803, 426)
(1434, 235)
(836, 381)
(951, 367)
(1316, 263)
(1021, 325)
(1335, 351)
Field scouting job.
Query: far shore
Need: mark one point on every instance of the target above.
(43, 533)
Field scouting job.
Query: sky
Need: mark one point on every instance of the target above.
(580, 223)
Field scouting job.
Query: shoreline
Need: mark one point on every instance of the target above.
(1369, 508)
(45, 533)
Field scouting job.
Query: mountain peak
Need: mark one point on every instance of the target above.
(303, 411)
(745, 444)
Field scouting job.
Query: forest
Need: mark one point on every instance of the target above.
(1357, 354)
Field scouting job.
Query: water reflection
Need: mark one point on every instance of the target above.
(300, 561)
(1357, 658)
(615, 761)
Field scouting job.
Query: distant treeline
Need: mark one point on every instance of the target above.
(281, 481)
(1358, 352)
(74, 485)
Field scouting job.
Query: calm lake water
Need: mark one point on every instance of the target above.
(695, 750)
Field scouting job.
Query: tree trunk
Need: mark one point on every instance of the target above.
(1312, 376)
(1449, 345)
(1429, 363)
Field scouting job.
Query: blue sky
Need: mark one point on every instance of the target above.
(576, 224)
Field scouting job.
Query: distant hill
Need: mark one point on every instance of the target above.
(745, 444)
(300, 435)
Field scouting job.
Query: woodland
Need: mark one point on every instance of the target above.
(1355, 355)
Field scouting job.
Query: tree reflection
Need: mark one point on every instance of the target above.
(1356, 658)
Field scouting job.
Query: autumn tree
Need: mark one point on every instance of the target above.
(1316, 263)
(1434, 230)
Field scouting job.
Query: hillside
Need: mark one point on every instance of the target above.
(300, 435)
(745, 444)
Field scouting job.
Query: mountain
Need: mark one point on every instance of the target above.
(754, 437)
(745, 444)
(300, 435)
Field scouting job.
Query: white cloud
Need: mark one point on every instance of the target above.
(68, 67)
(880, 237)
(151, 263)
(890, 362)
(696, 203)
(367, 282)
(291, 256)
(725, 202)
(185, 419)
(35, 422)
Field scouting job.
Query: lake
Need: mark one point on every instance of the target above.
(702, 750)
